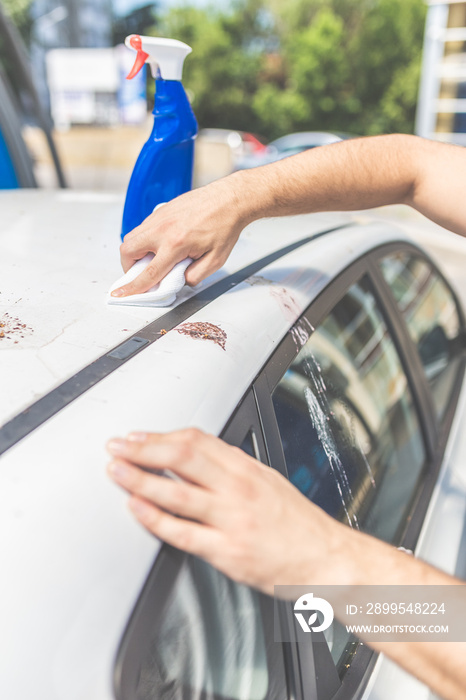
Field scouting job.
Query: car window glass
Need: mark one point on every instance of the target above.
(211, 643)
(431, 315)
(349, 430)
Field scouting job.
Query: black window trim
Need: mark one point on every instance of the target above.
(389, 248)
(437, 436)
(264, 386)
(168, 564)
(154, 597)
(244, 421)
(357, 676)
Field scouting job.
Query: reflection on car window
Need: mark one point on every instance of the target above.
(350, 433)
(349, 430)
(211, 643)
(432, 318)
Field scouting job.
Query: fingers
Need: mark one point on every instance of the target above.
(133, 248)
(142, 239)
(202, 268)
(201, 459)
(157, 269)
(178, 497)
(162, 264)
(190, 537)
(223, 510)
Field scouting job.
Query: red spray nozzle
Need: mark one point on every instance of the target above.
(164, 56)
(141, 56)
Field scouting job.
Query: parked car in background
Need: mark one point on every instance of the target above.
(330, 348)
(289, 145)
(242, 143)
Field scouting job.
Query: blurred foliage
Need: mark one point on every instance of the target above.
(19, 13)
(16, 26)
(222, 74)
(272, 67)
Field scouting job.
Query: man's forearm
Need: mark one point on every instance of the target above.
(356, 174)
(365, 560)
(353, 174)
(360, 174)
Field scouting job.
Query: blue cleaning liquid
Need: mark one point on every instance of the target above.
(164, 168)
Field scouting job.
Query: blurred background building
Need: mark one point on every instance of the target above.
(442, 97)
(79, 76)
(63, 67)
(66, 23)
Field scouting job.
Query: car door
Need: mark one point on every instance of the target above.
(356, 405)
(344, 409)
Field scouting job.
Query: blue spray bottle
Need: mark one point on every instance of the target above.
(164, 167)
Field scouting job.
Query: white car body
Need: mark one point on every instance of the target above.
(73, 559)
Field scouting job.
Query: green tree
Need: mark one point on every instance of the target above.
(397, 107)
(222, 73)
(317, 76)
(356, 65)
(274, 67)
(386, 55)
(19, 13)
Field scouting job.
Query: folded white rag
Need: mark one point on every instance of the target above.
(162, 294)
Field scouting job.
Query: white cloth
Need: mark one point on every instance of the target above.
(162, 294)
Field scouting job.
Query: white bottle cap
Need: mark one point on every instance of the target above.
(165, 56)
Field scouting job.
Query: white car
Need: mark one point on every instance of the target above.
(331, 349)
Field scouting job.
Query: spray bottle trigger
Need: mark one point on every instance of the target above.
(141, 56)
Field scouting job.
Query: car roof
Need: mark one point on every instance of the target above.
(76, 559)
(59, 254)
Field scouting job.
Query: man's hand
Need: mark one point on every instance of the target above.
(241, 516)
(203, 225)
(246, 519)
(250, 523)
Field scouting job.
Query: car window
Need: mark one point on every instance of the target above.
(349, 429)
(431, 315)
(211, 643)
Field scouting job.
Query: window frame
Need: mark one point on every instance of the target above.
(391, 248)
(168, 564)
(437, 433)
(245, 419)
(154, 597)
(354, 683)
